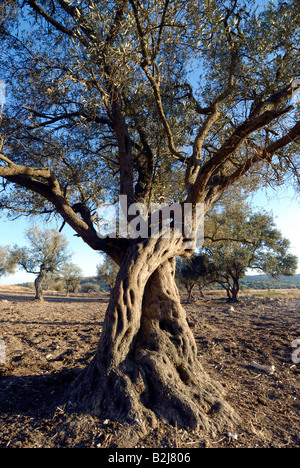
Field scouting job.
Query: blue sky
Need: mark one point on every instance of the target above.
(284, 203)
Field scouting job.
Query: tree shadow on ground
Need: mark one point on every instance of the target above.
(35, 396)
(35, 413)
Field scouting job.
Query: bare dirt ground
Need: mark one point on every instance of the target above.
(48, 343)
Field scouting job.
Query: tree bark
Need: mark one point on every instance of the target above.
(190, 293)
(38, 285)
(146, 367)
(233, 290)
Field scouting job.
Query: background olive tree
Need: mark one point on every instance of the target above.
(70, 275)
(198, 270)
(172, 100)
(47, 253)
(107, 271)
(239, 239)
(7, 263)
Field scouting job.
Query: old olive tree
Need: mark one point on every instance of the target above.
(172, 100)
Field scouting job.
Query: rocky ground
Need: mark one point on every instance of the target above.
(48, 343)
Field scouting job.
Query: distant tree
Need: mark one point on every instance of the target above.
(197, 270)
(107, 271)
(7, 263)
(89, 287)
(47, 254)
(52, 282)
(71, 275)
(244, 240)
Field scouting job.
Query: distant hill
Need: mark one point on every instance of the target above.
(249, 282)
(266, 282)
(84, 281)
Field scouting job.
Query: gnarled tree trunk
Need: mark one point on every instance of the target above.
(233, 289)
(146, 366)
(38, 284)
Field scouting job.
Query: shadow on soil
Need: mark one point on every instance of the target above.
(35, 396)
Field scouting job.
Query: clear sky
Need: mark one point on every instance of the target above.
(284, 204)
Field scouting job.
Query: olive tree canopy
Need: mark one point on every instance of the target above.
(47, 253)
(240, 239)
(7, 264)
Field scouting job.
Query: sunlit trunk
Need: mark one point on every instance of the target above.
(146, 366)
(38, 284)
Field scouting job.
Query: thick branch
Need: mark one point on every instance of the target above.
(292, 135)
(156, 91)
(155, 81)
(231, 146)
(265, 154)
(116, 24)
(67, 115)
(49, 188)
(114, 99)
(145, 164)
(274, 101)
(34, 5)
(161, 28)
(194, 161)
(15, 170)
